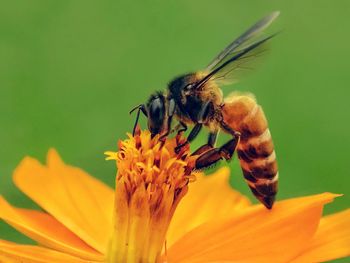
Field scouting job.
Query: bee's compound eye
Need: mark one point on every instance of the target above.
(156, 108)
(156, 114)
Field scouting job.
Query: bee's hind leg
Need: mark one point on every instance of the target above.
(213, 155)
(229, 130)
(210, 144)
(209, 155)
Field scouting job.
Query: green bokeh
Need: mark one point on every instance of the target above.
(71, 70)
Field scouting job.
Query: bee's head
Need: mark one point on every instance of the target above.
(156, 111)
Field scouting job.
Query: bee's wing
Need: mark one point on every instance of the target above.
(239, 55)
(248, 36)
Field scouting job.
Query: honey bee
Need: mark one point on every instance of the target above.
(196, 99)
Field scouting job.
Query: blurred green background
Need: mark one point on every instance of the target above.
(71, 70)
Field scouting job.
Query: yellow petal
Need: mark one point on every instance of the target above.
(80, 202)
(255, 235)
(46, 230)
(209, 197)
(10, 253)
(332, 240)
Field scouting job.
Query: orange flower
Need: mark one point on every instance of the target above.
(85, 221)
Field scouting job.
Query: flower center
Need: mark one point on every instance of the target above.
(151, 180)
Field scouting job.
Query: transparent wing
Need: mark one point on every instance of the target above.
(243, 61)
(237, 63)
(247, 37)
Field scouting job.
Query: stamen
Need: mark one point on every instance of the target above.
(151, 180)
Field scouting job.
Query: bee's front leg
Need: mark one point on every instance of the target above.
(193, 134)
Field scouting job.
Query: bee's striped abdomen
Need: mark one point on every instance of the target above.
(255, 150)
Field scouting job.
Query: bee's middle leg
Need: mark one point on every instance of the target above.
(205, 110)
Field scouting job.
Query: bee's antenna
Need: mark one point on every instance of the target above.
(140, 108)
(135, 108)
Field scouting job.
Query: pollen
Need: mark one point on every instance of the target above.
(150, 182)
